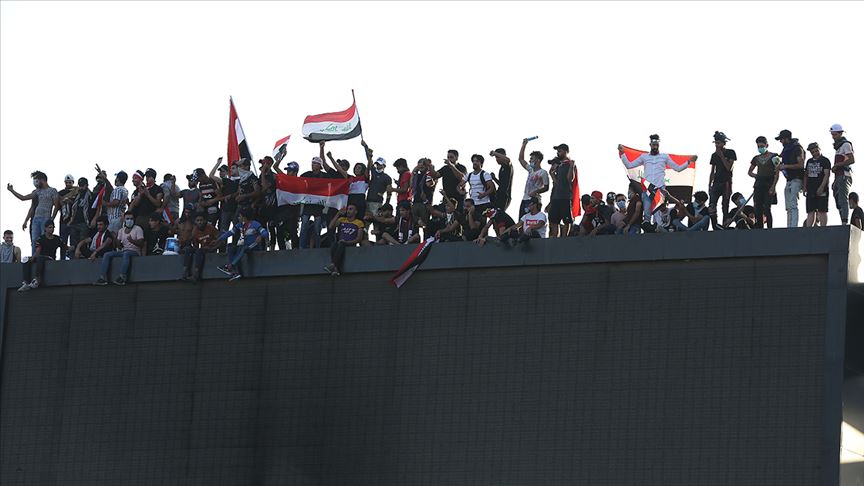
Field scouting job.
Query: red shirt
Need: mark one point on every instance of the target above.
(404, 179)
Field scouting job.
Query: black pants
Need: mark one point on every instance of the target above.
(35, 267)
(77, 232)
(719, 190)
(519, 237)
(194, 255)
(762, 202)
(337, 254)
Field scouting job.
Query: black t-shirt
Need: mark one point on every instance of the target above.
(469, 232)
(378, 184)
(721, 174)
(421, 187)
(501, 219)
(245, 186)
(789, 156)
(562, 186)
(405, 228)
(229, 186)
(505, 181)
(145, 206)
(857, 217)
(155, 239)
(602, 216)
(49, 246)
(815, 171)
(450, 181)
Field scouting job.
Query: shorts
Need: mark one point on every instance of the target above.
(817, 203)
(560, 211)
(420, 212)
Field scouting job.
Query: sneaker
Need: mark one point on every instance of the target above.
(193, 279)
(234, 276)
(226, 269)
(330, 268)
(100, 281)
(25, 286)
(121, 280)
(34, 284)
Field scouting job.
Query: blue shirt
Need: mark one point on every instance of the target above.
(247, 234)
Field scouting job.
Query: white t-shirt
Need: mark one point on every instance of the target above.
(536, 222)
(136, 233)
(476, 186)
(844, 150)
(358, 185)
(537, 178)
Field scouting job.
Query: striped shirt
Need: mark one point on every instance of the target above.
(116, 212)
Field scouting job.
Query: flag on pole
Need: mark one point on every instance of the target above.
(332, 193)
(654, 193)
(342, 125)
(412, 263)
(280, 149)
(679, 184)
(97, 202)
(237, 146)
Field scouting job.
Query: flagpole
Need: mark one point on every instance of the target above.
(355, 107)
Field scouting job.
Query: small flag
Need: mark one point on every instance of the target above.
(237, 146)
(654, 193)
(341, 125)
(679, 184)
(332, 193)
(280, 149)
(166, 216)
(412, 263)
(97, 202)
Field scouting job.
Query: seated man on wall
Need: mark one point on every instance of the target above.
(99, 243)
(205, 239)
(349, 232)
(47, 247)
(130, 242)
(249, 236)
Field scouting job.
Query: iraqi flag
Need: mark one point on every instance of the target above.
(412, 263)
(577, 196)
(332, 193)
(655, 194)
(280, 149)
(237, 146)
(342, 125)
(97, 202)
(679, 184)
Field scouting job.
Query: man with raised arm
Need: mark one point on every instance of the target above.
(655, 165)
(537, 181)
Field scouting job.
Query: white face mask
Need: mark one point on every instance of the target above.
(36, 183)
(128, 223)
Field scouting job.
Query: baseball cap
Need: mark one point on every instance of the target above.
(69, 178)
(343, 163)
(783, 134)
(292, 167)
(812, 146)
(317, 160)
(223, 167)
(597, 195)
(380, 161)
(83, 180)
(196, 174)
(721, 137)
(834, 128)
(611, 195)
(562, 146)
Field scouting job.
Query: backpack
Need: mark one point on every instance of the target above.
(483, 183)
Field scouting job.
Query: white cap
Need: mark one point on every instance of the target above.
(317, 160)
(380, 161)
(836, 128)
(69, 178)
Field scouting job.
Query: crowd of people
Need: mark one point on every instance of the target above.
(234, 211)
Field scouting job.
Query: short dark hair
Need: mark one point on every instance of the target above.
(39, 175)
(48, 223)
(454, 152)
(737, 196)
(501, 151)
(700, 196)
(199, 214)
(478, 157)
(853, 196)
(128, 213)
(155, 216)
(386, 207)
(537, 154)
(468, 199)
(9, 232)
(400, 162)
(102, 219)
(246, 213)
(635, 187)
(761, 139)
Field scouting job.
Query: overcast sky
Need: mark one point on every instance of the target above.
(137, 85)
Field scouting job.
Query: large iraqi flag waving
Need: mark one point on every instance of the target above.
(332, 193)
(679, 184)
(341, 125)
(237, 146)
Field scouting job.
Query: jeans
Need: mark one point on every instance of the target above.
(793, 188)
(235, 256)
(27, 269)
(77, 232)
(310, 231)
(841, 187)
(701, 225)
(124, 266)
(337, 254)
(193, 254)
(64, 237)
(37, 229)
(646, 206)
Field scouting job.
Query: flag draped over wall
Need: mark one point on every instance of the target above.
(237, 146)
(679, 184)
(412, 263)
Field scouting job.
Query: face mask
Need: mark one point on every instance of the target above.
(128, 223)
(696, 206)
(379, 170)
(762, 150)
(621, 204)
(742, 201)
(244, 173)
(36, 183)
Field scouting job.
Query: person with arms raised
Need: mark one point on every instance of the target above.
(655, 164)
(46, 205)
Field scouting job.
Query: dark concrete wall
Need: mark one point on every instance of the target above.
(550, 368)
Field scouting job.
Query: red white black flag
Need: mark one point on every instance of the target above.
(237, 146)
(332, 193)
(412, 263)
(341, 125)
(280, 149)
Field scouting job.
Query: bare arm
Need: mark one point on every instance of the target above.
(522, 154)
(21, 196)
(215, 168)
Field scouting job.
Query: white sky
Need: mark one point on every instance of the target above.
(137, 85)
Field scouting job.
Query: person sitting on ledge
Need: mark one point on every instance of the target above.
(205, 239)
(533, 224)
(46, 249)
(130, 241)
(95, 246)
(249, 235)
(349, 232)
